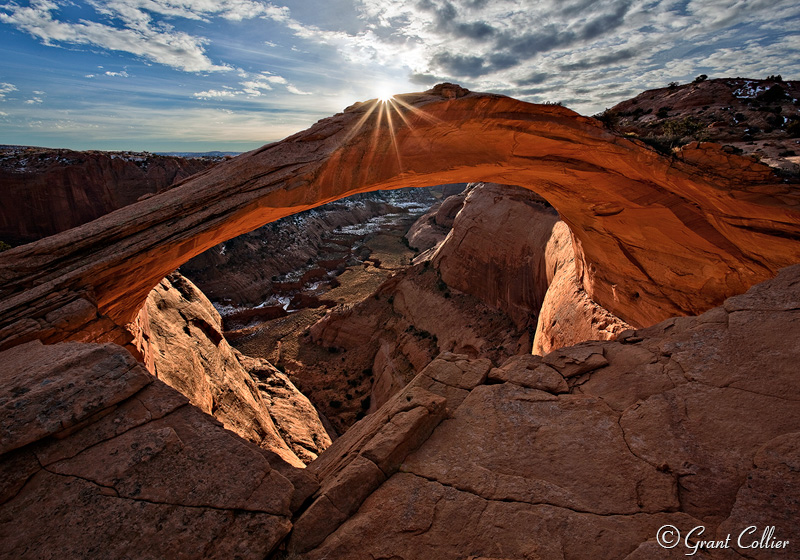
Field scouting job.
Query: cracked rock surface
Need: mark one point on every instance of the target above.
(582, 453)
(137, 473)
(587, 451)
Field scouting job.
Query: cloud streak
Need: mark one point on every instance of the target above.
(140, 36)
(5, 89)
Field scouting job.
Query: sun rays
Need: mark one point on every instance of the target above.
(391, 115)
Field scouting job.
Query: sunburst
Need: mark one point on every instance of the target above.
(379, 112)
(384, 94)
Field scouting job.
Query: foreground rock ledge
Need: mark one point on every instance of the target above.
(582, 453)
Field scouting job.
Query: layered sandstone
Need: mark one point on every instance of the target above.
(47, 191)
(248, 396)
(99, 459)
(655, 236)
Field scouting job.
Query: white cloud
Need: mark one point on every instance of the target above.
(275, 79)
(294, 90)
(6, 88)
(216, 94)
(563, 49)
(33, 101)
(252, 85)
(140, 36)
(255, 87)
(122, 74)
(136, 11)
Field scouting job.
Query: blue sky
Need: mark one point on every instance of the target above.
(197, 75)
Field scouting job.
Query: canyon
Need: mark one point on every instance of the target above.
(563, 367)
(48, 191)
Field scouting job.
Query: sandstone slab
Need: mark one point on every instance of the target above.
(46, 389)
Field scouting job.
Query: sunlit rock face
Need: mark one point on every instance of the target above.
(568, 315)
(186, 349)
(655, 236)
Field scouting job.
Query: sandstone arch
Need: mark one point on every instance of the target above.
(657, 236)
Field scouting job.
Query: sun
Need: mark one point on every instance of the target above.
(384, 93)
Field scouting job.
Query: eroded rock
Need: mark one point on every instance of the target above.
(145, 476)
(249, 396)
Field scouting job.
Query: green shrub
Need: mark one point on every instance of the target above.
(680, 128)
(610, 119)
(773, 95)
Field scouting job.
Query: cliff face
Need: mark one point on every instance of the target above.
(590, 449)
(48, 191)
(655, 236)
(507, 247)
(504, 266)
(182, 337)
(568, 315)
(495, 250)
(391, 336)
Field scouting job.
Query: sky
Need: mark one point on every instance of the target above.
(232, 75)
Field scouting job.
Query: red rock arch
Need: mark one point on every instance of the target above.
(657, 236)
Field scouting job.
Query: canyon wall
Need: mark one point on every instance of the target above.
(46, 191)
(655, 236)
(503, 268)
(243, 270)
(495, 250)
